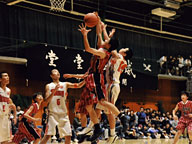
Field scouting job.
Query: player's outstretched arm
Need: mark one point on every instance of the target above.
(75, 85)
(80, 76)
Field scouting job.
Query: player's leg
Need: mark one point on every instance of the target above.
(93, 117)
(64, 128)
(83, 120)
(112, 96)
(190, 132)
(36, 141)
(177, 135)
(180, 127)
(4, 129)
(92, 114)
(50, 128)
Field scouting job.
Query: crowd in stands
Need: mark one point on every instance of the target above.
(178, 66)
(147, 123)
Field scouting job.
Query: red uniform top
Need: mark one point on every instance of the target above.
(33, 112)
(185, 109)
(97, 65)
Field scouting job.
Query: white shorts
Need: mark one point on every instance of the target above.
(5, 128)
(113, 93)
(62, 122)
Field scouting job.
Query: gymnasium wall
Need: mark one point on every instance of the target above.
(168, 90)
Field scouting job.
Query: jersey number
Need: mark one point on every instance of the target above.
(58, 102)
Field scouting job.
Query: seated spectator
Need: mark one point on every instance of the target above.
(187, 66)
(132, 119)
(181, 65)
(163, 64)
(165, 122)
(19, 111)
(174, 122)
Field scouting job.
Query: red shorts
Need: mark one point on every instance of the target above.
(184, 123)
(25, 130)
(86, 98)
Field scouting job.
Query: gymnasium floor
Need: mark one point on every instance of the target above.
(143, 141)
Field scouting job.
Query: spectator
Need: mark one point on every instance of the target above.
(163, 64)
(44, 118)
(19, 111)
(132, 119)
(174, 122)
(181, 65)
(141, 117)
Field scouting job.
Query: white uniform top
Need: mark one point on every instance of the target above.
(57, 104)
(114, 69)
(4, 101)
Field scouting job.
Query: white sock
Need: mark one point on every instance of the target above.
(90, 125)
(112, 132)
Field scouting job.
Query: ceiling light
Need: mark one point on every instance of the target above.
(163, 12)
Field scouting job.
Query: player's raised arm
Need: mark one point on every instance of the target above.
(93, 51)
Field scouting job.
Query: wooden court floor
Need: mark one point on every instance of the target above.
(143, 141)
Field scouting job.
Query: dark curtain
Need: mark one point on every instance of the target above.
(36, 27)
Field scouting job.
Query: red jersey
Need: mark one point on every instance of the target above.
(185, 108)
(34, 111)
(97, 65)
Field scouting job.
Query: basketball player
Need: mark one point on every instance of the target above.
(57, 108)
(95, 79)
(185, 121)
(115, 67)
(5, 105)
(26, 125)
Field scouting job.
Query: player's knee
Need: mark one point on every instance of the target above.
(102, 102)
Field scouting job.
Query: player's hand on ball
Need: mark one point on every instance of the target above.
(83, 29)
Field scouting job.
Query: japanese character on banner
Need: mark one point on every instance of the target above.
(124, 82)
(52, 57)
(147, 67)
(78, 59)
(129, 69)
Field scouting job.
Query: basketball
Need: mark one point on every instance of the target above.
(91, 19)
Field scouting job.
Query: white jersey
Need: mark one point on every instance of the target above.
(57, 104)
(114, 69)
(4, 101)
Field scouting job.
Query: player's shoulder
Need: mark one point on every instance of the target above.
(8, 89)
(180, 103)
(189, 101)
